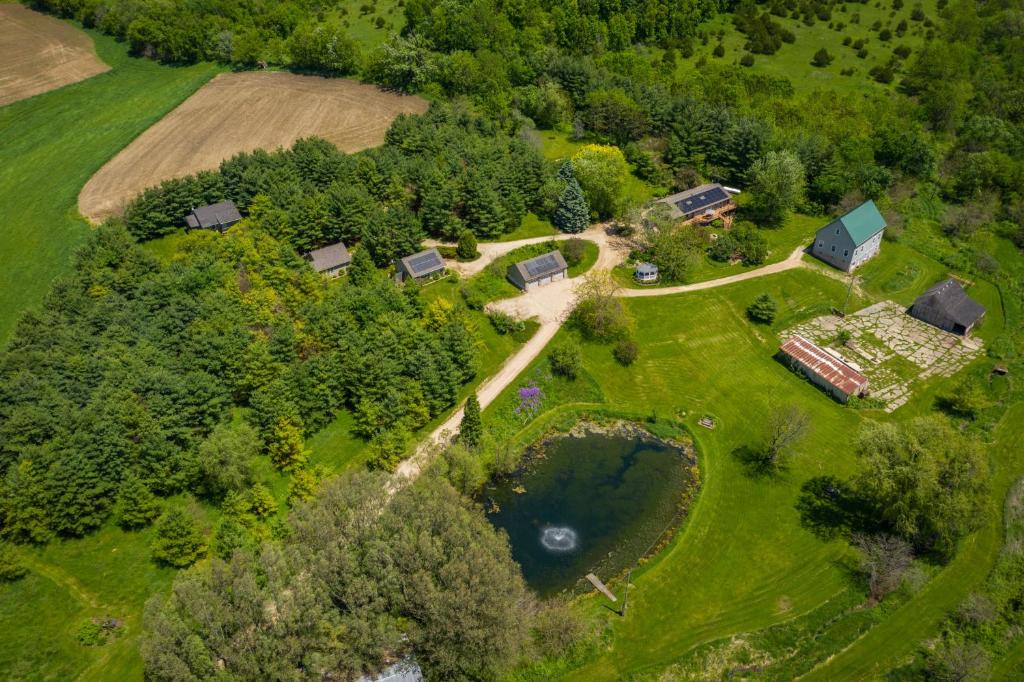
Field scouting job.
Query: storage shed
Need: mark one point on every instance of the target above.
(835, 376)
(645, 273)
(330, 260)
(421, 266)
(218, 217)
(947, 306)
(538, 271)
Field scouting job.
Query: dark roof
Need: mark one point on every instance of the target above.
(541, 266)
(329, 257)
(862, 223)
(950, 299)
(830, 368)
(223, 214)
(423, 263)
(690, 202)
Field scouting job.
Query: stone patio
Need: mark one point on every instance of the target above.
(892, 349)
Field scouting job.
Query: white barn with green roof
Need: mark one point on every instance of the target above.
(847, 242)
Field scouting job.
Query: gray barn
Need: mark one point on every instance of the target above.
(218, 217)
(538, 271)
(848, 241)
(420, 266)
(947, 306)
(330, 260)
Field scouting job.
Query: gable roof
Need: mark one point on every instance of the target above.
(423, 263)
(861, 224)
(542, 266)
(329, 257)
(222, 214)
(690, 202)
(823, 364)
(950, 300)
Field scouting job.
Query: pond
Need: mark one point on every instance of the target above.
(593, 500)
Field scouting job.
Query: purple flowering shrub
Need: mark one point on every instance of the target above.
(530, 399)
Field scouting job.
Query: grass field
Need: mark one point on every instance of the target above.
(493, 284)
(239, 112)
(51, 144)
(39, 53)
(793, 61)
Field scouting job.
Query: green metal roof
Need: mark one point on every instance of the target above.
(863, 222)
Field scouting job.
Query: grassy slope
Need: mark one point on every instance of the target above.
(493, 283)
(793, 61)
(52, 144)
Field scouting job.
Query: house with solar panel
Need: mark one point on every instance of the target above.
(422, 267)
(330, 260)
(947, 306)
(538, 271)
(848, 241)
(219, 216)
(701, 204)
(824, 369)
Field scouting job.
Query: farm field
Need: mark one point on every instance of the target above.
(39, 53)
(239, 112)
(52, 144)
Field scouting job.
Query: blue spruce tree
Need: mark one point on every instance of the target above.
(572, 214)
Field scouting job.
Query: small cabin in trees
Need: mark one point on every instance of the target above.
(947, 306)
(825, 370)
(538, 271)
(850, 240)
(330, 260)
(219, 216)
(701, 204)
(421, 266)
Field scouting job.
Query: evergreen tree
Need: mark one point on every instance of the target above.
(136, 506)
(362, 272)
(565, 171)
(466, 249)
(11, 568)
(285, 446)
(261, 502)
(178, 542)
(231, 535)
(303, 486)
(763, 309)
(23, 516)
(471, 428)
(572, 214)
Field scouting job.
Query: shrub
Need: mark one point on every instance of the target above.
(504, 323)
(178, 541)
(719, 50)
(885, 35)
(821, 58)
(902, 51)
(474, 298)
(573, 251)
(862, 53)
(747, 60)
(625, 352)
(762, 310)
(11, 568)
(566, 360)
(466, 248)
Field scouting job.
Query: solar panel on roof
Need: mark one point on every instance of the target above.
(424, 261)
(541, 265)
(698, 201)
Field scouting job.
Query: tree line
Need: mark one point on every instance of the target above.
(128, 381)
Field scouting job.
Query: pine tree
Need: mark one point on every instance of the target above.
(362, 271)
(261, 502)
(230, 536)
(466, 249)
(565, 171)
(136, 506)
(178, 542)
(303, 485)
(285, 446)
(471, 428)
(23, 517)
(572, 214)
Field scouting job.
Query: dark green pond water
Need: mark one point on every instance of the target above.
(591, 503)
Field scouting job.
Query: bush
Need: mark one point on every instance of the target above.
(504, 323)
(178, 542)
(566, 360)
(762, 310)
(821, 58)
(719, 50)
(466, 249)
(11, 568)
(474, 298)
(747, 60)
(625, 352)
(573, 251)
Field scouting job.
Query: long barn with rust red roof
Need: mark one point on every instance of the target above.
(829, 372)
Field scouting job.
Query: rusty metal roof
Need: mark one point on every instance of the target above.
(827, 366)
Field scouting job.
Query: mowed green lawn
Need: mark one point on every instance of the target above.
(51, 144)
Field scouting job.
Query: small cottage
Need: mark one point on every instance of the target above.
(947, 306)
(218, 217)
(847, 242)
(330, 260)
(703, 203)
(645, 273)
(538, 271)
(422, 266)
(825, 370)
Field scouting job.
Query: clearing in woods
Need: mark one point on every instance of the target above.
(39, 53)
(237, 112)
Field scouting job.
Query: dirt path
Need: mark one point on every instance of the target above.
(550, 305)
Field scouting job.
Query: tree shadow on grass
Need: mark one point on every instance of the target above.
(829, 508)
(754, 463)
